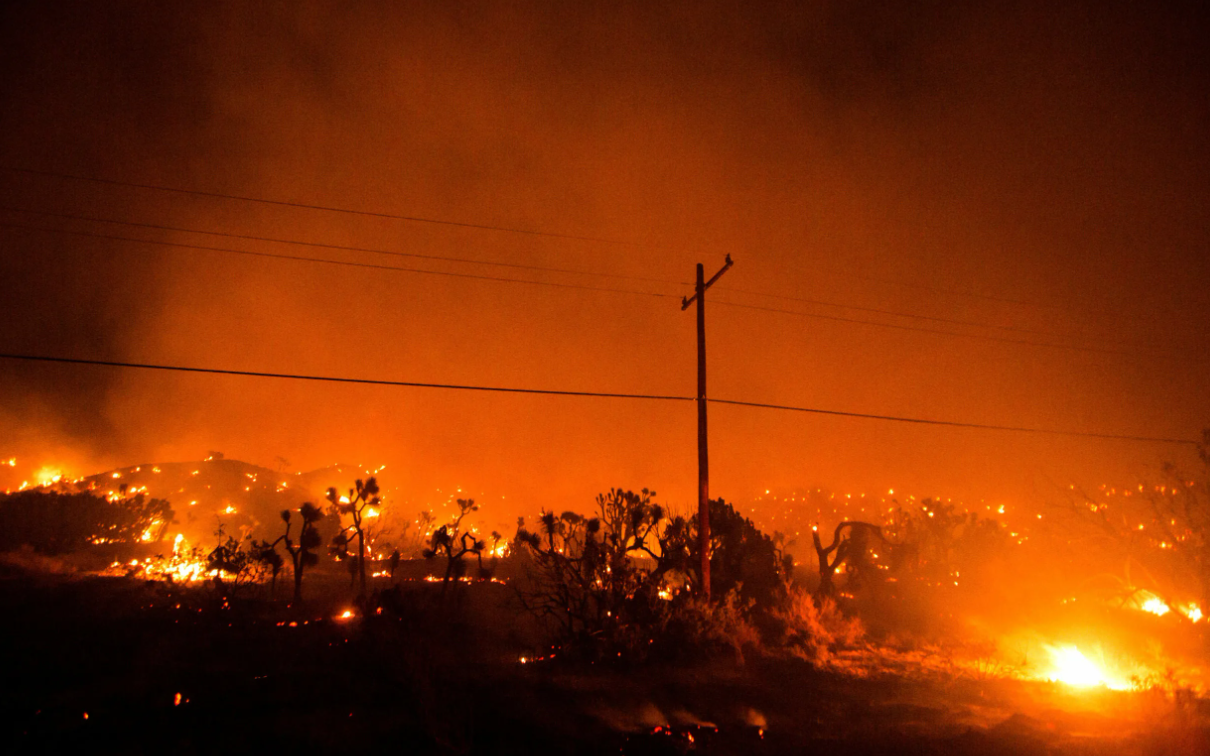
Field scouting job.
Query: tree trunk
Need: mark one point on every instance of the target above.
(298, 576)
(361, 560)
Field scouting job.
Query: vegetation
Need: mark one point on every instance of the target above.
(56, 523)
(241, 566)
(301, 554)
(454, 543)
(364, 496)
(1155, 537)
(622, 583)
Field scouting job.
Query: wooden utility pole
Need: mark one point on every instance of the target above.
(703, 454)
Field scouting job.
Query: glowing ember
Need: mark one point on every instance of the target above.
(1071, 667)
(346, 614)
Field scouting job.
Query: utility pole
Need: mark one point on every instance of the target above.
(703, 454)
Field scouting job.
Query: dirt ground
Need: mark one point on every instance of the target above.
(114, 665)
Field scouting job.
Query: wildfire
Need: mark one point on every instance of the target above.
(1071, 667)
(186, 565)
(1156, 606)
(48, 476)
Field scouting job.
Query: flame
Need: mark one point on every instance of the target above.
(149, 533)
(346, 614)
(1192, 611)
(47, 476)
(1071, 667)
(1156, 606)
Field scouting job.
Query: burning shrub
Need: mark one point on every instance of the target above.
(56, 523)
(812, 629)
(241, 567)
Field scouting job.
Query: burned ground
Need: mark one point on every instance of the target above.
(432, 675)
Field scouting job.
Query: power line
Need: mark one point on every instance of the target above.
(339, 379)
(306, 206)
(343, 247)
(598, 394)
(982, 337)
(545, 269)
(517, 266)
(502, 229)
(478, 226)
(581, 287)
(951, 321)
(955, 424)
(325, 261)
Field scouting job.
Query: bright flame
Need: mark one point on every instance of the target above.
(1073, 668)
(1192, 611)
(346, 614)
(1155, 606)
(48, 476)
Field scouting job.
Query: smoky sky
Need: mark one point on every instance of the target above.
(1040, 170)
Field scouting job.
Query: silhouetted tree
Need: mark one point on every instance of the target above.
(54, 522)
(741, 556)
(359, 499)
(599, 579)
(265, 553)
(453, 543)
(850, 542)
(301, 554)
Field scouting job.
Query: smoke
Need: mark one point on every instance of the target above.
(1020, 154)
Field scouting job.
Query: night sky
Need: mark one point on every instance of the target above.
(1012, 172)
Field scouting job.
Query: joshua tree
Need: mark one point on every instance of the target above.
(453, 543)
(355, 504)
(266, 553)
(850, 542)
(308, 538)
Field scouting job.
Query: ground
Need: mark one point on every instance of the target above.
(442, 674)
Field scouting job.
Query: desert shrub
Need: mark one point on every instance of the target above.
(811, 629)
(235, 566)
(624, 582)
(934, 543)
(55, 523)
(742, 558)
(598, 580)
(690, 627)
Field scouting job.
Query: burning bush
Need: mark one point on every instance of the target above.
(56, 523)
(811, 628)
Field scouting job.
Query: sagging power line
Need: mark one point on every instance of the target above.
(569, 393)
(325, 261)
(582, 287)
(306, 206)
